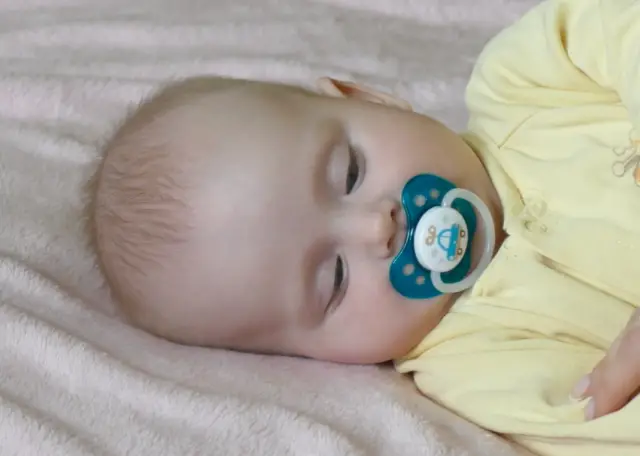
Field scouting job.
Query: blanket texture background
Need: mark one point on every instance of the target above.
(74, 380)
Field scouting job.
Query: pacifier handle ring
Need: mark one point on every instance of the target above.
(489, 245)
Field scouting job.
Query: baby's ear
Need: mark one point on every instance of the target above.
(343, 89)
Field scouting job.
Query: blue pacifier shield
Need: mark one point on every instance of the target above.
(422, 193)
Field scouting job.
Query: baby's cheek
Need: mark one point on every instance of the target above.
(405, 321)
(376, 327)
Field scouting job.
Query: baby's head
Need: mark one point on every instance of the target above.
(264, 217)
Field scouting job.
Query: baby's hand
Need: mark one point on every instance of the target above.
(616, 379)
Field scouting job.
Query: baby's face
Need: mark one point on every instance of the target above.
(302, 219)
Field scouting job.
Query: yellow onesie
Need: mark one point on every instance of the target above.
(555, 114)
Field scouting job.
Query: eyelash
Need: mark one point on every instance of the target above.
(338, 282)
(354, 171)
(353, 180)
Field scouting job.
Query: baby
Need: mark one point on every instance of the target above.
(267, 219)
(340, 225)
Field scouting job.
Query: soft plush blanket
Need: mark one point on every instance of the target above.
(74, 380)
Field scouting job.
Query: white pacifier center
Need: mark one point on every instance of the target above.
(440, 239)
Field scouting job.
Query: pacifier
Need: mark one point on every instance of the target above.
(441, 223)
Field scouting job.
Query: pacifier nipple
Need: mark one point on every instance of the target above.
(441, 224)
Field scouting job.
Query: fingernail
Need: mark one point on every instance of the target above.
(581, 387)
(590, 410)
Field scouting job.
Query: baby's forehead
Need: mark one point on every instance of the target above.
(257, 143)
(264, 153)
(260, 123)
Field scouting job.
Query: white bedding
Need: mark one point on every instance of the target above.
(76, 381)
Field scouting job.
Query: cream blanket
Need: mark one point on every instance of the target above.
(76, 381)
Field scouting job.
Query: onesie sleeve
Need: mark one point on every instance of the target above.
(563, 53)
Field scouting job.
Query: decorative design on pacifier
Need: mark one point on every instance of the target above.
(441, 224)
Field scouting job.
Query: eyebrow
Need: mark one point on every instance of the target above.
(331, 134)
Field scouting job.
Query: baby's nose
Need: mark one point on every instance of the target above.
(378, 228)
